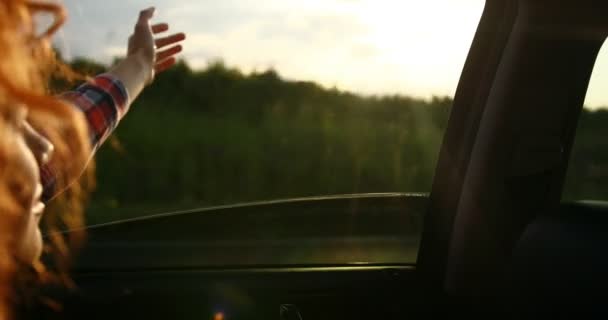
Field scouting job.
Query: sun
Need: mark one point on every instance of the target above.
(427, 41)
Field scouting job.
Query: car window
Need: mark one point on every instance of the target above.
(587, 177)
(276, 99)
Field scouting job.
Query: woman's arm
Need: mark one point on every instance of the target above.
(105, 99)
(104, 102)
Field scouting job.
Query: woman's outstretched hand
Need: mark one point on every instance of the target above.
(158, 54)
(147, 55)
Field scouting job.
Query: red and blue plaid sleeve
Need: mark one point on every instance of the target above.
(104, 102)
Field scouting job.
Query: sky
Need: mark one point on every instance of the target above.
(408, 47)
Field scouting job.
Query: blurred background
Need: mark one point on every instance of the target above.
(283, 99)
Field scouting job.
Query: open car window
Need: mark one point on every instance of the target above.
(587, 177)
(276, 100)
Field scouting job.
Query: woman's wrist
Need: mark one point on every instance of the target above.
(135, 72)
(144, 64)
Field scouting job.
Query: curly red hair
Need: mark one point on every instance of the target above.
(26, 63)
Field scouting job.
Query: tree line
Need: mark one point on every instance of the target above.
(218, 136)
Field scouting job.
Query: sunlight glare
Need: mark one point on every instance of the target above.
(427, 41)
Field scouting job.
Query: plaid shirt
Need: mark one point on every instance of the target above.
(104, 102)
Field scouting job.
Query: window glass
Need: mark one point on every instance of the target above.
(276, 99)
(587, 177)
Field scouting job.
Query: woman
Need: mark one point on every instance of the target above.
(46, 141)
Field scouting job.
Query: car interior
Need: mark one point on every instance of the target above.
(493, 237)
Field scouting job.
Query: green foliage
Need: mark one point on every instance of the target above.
(587, 177)
(219, 136)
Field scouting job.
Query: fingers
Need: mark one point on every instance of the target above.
(164, 65)
(165, 59)
(146, 14)
(162, 55)
(163, 42)
(160, 27)
(143, 22)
